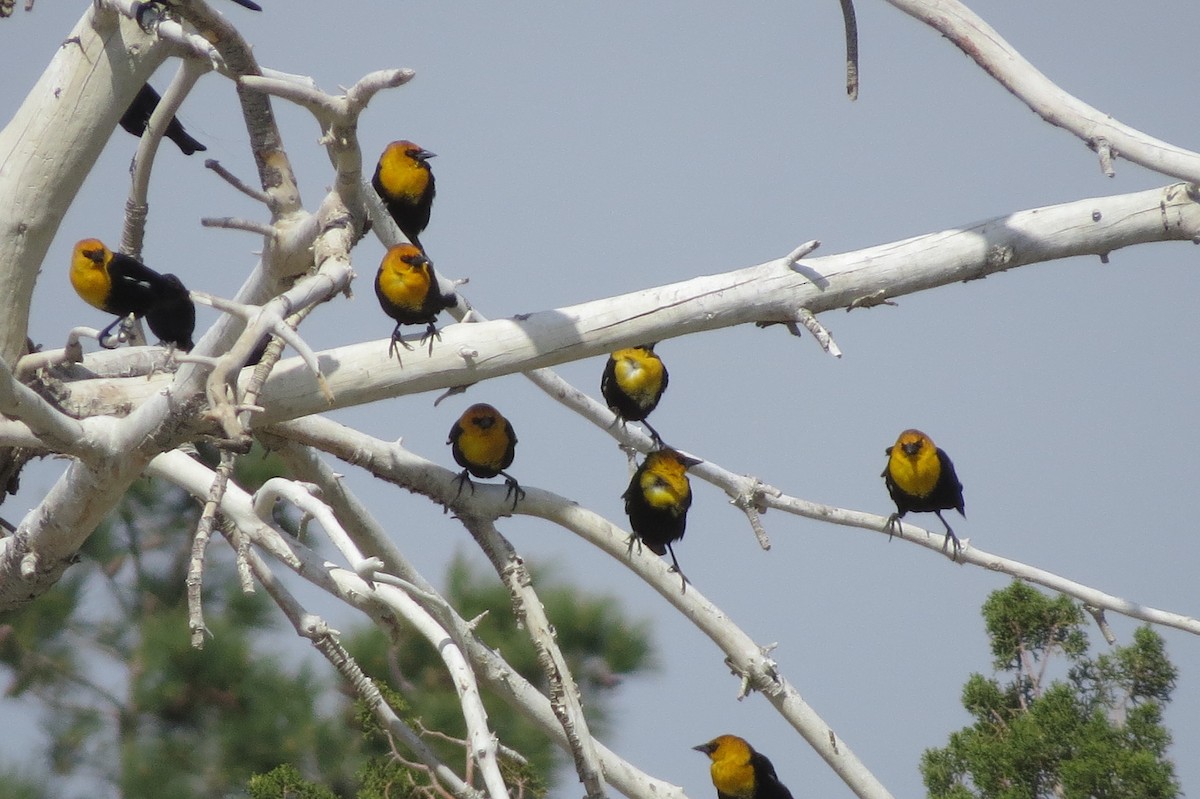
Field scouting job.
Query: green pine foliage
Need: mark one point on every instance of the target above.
(1094, 732)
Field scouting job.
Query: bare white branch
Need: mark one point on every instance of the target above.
(773, 290)
(998, 58)
(391, 462)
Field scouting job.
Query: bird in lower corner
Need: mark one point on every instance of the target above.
(921, 478)
(482, 441)
(405, 183)
(120, 284)
(408, 291)
(633, 382)
(137, 117)
(739, 772)
(657, 502)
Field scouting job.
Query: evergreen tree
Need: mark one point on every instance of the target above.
(1096, 731)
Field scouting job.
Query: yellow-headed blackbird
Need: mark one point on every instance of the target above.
(921, 478)
(121, 285)
(657, 502)
(404, 182)
(738, 772)
(137, 116)
(483, 443)
(633, 382)
(408, 291)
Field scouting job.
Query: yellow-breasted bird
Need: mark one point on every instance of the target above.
(657, 502)
(404, 182)
(739, 772)
(119, 284)
(137, 116)
(408, 291)
(633, 382)
(921, 478)
(484, 444)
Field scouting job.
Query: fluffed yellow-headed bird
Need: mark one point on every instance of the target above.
(404, 182)
(657, 502)
(739, 772)
(633, 382)
(119, 284)
(484, 444)
(921, 478)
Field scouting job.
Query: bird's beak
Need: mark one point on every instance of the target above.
(425, 154)
(95, 256)
(911, 449)
(688, 461)
(705, 748)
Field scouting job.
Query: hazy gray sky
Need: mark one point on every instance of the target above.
(586, 150)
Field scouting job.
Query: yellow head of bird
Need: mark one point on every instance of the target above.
(731, 770)
(403, 169)
(406, 262)
(89, 272)
(912, 442)
(90, 254)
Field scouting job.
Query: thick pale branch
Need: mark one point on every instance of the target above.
(55, 430)
(51, 144)
(772, 291)
(999, 59)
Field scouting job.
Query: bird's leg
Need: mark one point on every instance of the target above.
(431, 332)
(675, 568)
(950, 538)
(125, 323)
(513, 489)
(654, 435)
(461, 479)
(392, 349)
(893, 526)
(629, 545)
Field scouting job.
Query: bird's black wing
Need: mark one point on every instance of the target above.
(767, 784)
(948, 482)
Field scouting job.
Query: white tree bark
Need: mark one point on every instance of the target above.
(118, 424)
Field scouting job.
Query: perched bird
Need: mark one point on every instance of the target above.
(738, 772)
(921, 478)
(657, 502)
(408, 291)
(633, 382)
(404, 182)
(121, 285)
(483, 443)
(137, 117)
